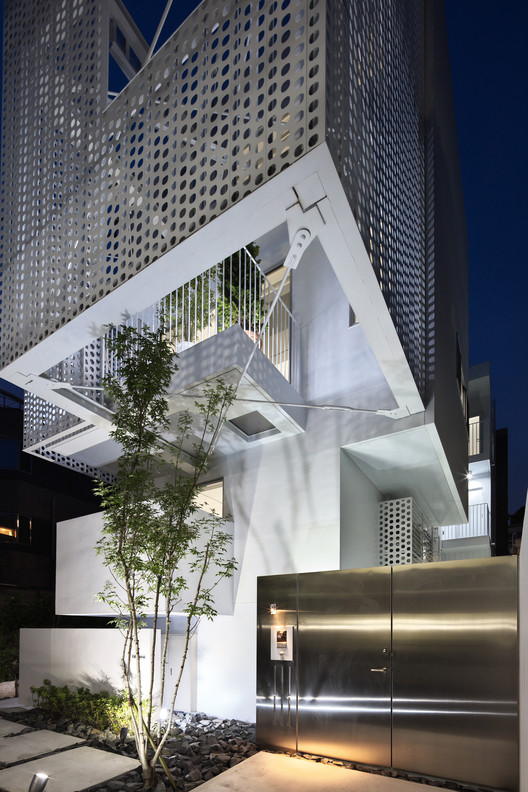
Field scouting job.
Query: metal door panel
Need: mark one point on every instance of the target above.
(344, 665)
(455, 671)
(276, 679)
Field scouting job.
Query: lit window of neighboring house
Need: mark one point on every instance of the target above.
(475, 440)
(15, 528)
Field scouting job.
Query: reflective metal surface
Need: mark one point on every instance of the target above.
(456, 671)
(344, 659)
(277, 678)
(414, 667)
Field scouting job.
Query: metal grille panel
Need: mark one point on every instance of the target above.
(94, 195)
(375, 131)
(51, 118)
(404, 536)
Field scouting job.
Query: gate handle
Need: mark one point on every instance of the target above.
(381, 670)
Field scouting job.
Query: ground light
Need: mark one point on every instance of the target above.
(38, 782)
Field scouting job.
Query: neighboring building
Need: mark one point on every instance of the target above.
(321, 132)
(34, 496)
(476, 538)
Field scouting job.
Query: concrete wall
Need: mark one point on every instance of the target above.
(77, 658)
(359, 500)
(335, 362)
(81, 573)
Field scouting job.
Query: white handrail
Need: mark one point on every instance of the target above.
(235, 291)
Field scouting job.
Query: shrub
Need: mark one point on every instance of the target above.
(101, 710)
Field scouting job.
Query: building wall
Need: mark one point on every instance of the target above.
(335, 362)
(41, 494)
(75, 657)
(82, 575)
(446, 254)
(359, 517)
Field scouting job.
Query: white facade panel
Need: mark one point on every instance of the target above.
(75, 657)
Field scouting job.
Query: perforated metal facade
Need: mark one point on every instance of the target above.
(53, 99)
(375, 131)
(93, 194)
(404, 536)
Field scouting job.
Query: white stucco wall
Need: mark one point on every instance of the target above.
(359, 500)
(81, 573)
(74, 657)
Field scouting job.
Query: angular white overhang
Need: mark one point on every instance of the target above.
(412, 462)
(309, 195)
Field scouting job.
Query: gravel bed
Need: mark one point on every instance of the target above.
(200, 747)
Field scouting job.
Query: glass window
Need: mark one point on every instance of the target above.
(133, 59)
(120, 38)
(211, 498)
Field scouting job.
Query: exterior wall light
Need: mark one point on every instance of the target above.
(273, 609)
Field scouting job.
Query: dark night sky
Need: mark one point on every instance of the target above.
(487, 49)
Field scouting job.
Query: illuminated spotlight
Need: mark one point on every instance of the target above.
(469, 475)
(273, 609)
(38, 782)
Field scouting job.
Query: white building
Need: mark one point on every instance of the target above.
(476, 537)
(321, 131)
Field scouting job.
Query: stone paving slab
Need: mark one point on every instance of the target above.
(9, 727)
(266, 772)
(68, 771)
(22, 747)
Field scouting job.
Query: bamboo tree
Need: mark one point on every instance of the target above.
(163, 555)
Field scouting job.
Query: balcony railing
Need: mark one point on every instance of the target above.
(235, 291)
(479, 524)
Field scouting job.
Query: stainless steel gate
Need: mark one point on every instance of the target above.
(413, 667)
(344, 677)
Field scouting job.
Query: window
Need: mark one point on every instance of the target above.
(475, 439)
(211, 498)
(120, 38)
(133, 59)
(15, 528)
(9, 454)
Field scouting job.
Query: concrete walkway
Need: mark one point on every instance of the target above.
(266, 772)
(69, 763)
(73, 767)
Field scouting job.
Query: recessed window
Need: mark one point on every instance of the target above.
(211, 498)
(120, 38)
(253, 423)
(15, 528)
(133, 59)
(475, 439)
(10, 533)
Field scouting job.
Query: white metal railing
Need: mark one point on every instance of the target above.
(479, 524)
(235, 291)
